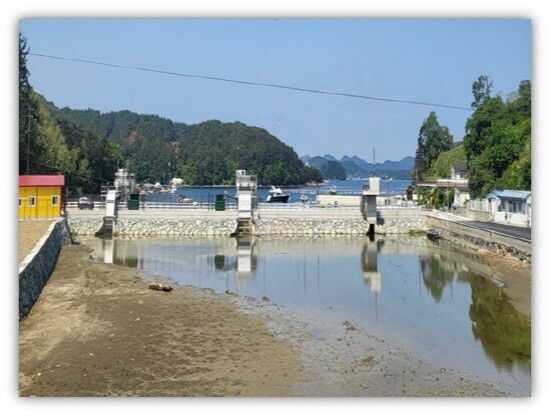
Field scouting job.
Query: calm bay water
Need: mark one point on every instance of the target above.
(208, 194)
(431, 302)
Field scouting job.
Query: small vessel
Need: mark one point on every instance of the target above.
(276, 195)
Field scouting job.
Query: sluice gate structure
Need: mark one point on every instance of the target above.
(247, 203)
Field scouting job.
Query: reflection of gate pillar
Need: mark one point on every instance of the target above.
(246, 259)
(369, 263)
(368, 202)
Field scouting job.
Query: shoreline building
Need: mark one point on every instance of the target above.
(40, 196)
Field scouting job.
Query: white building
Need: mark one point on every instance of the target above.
(511, 207)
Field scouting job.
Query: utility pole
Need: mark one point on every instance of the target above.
(29, 117)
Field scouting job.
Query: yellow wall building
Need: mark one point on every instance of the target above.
(40, 196)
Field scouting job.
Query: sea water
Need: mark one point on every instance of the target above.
(207, 194)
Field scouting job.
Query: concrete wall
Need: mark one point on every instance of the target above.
(36, 268)
(340, 200)
(473, 214)
(514, 219)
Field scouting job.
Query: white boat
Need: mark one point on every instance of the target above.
(276, 195)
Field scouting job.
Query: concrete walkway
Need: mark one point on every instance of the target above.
(508, 230)
(517, 232)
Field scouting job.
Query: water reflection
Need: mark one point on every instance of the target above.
(108, 250)
(244, 262)
(437, 273)
(369, 263)
(422, 297)
(504, 333)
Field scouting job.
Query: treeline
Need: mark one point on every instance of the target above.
(496, 147)
(88, 146)
(157, 149)
(498, 139)
(48, 145)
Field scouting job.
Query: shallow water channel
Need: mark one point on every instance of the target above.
(429, 300)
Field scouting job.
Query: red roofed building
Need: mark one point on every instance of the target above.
(40, 196)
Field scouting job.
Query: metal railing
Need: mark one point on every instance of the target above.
(152, 205)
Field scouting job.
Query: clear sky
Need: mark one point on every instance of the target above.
(432, 61)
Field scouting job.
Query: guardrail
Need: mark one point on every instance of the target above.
(233, 206)
(155, 205)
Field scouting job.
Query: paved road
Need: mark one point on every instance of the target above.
(517, 232)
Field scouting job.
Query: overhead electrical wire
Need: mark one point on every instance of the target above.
(262, 84)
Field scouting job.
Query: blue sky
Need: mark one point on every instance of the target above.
(426, 60)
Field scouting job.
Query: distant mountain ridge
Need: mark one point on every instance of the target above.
(356, 167)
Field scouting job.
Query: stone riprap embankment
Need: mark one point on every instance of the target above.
(477, 239)
(401, 221)
(175, 227)
(36, 268)
(333, 221)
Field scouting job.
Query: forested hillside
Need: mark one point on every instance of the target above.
(88, 146)
(496, 147)
(330, 169)
(498, 139)
(208, 153)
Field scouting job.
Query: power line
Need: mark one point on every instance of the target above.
(236, 81)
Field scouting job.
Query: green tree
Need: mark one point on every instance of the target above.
(28, 118)
(441, 167)
(498, 143)
(433, 139)
(481, 89)
(99, 156)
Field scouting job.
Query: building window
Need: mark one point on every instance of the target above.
(20, 202)
(55, 200)
(32, 201)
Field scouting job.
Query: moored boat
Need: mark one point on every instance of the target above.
(276, 195)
